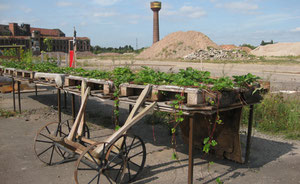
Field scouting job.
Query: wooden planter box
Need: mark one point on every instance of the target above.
(193, 96)
(24, 74)
(50, 79)
(1, 70)
(9, 72)
(226, 134)
(99, 88)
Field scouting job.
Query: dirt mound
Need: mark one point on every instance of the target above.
(246, 49)
(228, 47)
(278, 49)
(178, 45)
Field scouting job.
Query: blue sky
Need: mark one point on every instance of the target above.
(120, 22)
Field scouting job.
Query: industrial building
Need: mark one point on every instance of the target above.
(33, 38)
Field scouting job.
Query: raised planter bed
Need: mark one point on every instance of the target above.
(24, 74)
(9, 72)
(99, 88)
(193, 96)
(50, 79)
(1, 70)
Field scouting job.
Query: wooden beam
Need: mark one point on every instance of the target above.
(82, 121)
(71, 136)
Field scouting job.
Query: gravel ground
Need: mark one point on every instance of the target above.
(272, 159)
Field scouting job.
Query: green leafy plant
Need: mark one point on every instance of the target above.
(246, 80)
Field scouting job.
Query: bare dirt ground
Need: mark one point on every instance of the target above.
(272, 159)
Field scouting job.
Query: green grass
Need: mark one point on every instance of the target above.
(277, 114)
(7, 113)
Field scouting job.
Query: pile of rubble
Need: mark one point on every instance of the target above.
(216, 54)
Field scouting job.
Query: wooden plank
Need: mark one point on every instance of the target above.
(79, 115)
(139, 102)
(82, 121)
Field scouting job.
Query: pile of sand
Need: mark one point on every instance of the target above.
(278, 49)
(178, 45)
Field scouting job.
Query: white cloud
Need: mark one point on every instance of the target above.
(104, 14)
(297, 29)
(106, 2)
(64, 4)
(244, 7)
(4, 7)
(192, 12)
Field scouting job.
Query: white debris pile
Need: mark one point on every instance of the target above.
(216, 54)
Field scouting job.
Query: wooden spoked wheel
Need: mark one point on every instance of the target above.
(47, 150)
(134, 152)
(100, 167)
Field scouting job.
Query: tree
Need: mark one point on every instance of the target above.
(48, 43)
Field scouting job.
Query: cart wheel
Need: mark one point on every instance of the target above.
(134, 151)
(46, 150)
(92, 167)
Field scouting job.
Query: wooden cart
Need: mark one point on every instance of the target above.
(119, 159)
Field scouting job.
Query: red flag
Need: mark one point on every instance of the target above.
(71, 58)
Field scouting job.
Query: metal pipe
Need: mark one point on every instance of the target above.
(73, 107)
(14, 93)
(35, 89)
(250, 122)
(58, 105)
(191, 149)
(65, 100)
(130, 108)
(19, 97)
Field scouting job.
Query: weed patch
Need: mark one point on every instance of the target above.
(277, 114)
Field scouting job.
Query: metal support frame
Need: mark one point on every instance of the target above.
(65, 100)
(130, 108)
(35, 86)
(73, 107)
(19, 96)
(191, 149)
(250, 122)
(14, 93)
(59, 104)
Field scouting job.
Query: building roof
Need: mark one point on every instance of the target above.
(66, 38)
(15, 37)
(48, 32)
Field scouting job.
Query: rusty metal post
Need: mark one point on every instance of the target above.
(59, 105)
(130, 108)
(14, 93)
(65, 100)
(250, 122)
(191, 149)
(73, 107)
(19, 96)
(35, 89)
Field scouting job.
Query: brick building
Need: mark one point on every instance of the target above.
(33, 38)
